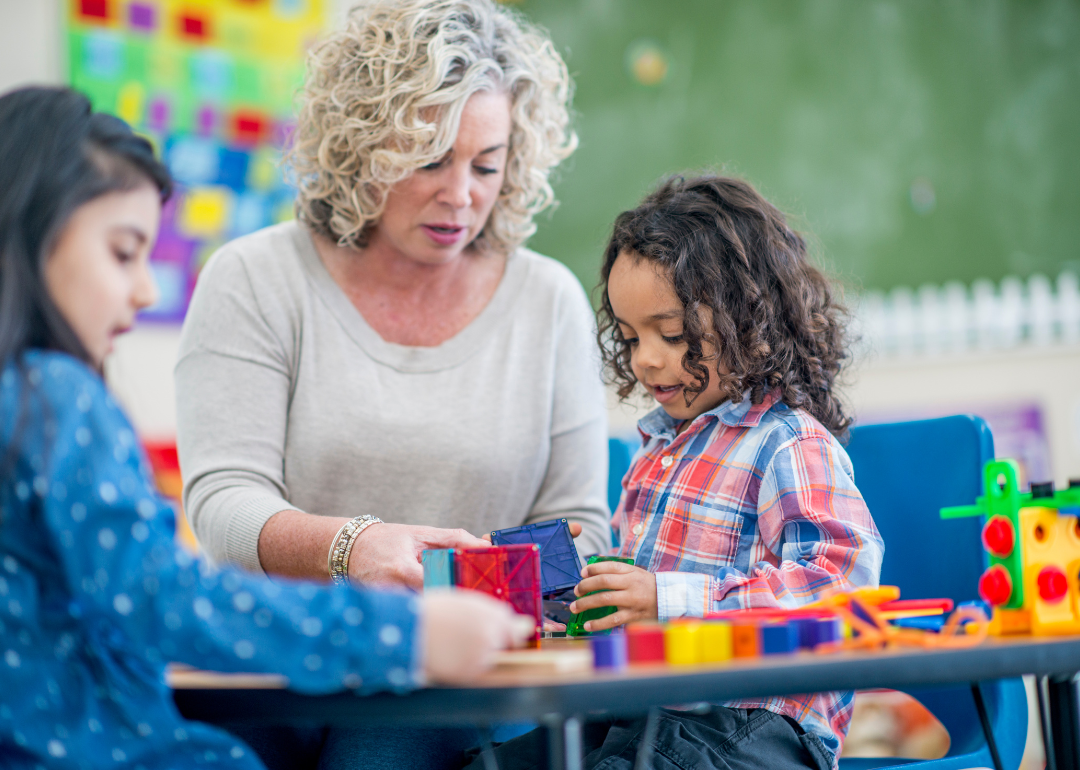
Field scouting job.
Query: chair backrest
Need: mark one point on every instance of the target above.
(907, 472)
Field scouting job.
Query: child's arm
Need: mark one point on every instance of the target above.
(813, 533)
(132, 587)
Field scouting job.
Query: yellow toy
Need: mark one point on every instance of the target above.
(1033, 543)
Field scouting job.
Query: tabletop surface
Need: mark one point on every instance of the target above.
(509, 695)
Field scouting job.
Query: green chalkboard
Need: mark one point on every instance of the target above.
(917, 140)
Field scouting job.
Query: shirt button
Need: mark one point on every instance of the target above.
(638, 529)
(667, 460)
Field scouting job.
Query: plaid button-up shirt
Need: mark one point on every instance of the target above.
(750, 506)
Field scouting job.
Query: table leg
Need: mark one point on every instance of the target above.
(563, 742)
(1064, 718)
(988, 731)
(1043, 699)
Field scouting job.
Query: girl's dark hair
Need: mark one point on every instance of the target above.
(774, 320)
(55, 155)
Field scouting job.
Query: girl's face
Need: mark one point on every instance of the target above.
(98, 274)
(432, 215)
(650, 317)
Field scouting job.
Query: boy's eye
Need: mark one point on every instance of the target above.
(673, 340)
(631, 341)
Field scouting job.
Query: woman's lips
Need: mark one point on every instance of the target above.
(445, 235)
(665, 393)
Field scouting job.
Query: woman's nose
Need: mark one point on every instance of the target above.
(454, 191)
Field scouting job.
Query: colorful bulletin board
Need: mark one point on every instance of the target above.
(212, 84)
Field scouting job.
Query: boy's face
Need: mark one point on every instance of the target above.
(650, 317)
(98, 274)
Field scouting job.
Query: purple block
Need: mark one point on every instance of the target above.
(815, 631)
(141, 16)
(609, 652)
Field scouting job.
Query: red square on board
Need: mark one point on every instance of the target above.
(194, 27)
(94, 9)
(250, 127)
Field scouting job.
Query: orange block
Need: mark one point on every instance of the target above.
(745, 640)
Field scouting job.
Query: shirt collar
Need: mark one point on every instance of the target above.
(659, 424)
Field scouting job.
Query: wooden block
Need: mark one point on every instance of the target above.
(557, 661)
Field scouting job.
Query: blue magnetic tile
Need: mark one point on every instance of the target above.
(559, 565)
(251, 213)
(438, 568)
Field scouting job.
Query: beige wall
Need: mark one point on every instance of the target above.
(30, 50)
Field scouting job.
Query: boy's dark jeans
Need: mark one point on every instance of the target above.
(722, 739)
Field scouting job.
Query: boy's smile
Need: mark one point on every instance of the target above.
(650, 318)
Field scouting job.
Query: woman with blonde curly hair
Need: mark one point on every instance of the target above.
(396, 355)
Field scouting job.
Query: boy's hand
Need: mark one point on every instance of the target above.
(631, 589)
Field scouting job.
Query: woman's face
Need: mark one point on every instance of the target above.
(432, 215)
(98, 275)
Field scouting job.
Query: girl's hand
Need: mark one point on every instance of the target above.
(462, 632)
(631, 589)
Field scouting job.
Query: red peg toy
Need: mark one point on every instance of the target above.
(1053, 585)
(998, 536)
(995, 585)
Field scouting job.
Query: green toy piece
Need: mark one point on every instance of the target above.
(1003, 497)
(576, 625)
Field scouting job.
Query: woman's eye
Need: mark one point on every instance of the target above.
(123, 257)
(431, 166)
(485, 170)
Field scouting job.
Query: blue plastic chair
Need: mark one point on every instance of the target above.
(907, 472)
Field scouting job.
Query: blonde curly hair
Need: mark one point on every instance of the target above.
(384, 97)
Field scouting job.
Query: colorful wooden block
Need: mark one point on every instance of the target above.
(645, 643)
(609, 652)
(714, 643)
(745, 640)
(682, 643)
(779, 638)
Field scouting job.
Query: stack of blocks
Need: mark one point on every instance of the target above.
(692, 642)
(1032, 543)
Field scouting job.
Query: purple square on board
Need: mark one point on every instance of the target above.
(206, 120)
(159, 115)
(141, 16)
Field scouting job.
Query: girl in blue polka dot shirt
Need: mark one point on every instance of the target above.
(95, 598)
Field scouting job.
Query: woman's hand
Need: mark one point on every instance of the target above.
(631, 589)
(462, 632)
(389, 554)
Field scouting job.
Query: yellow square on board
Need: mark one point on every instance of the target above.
(204, 211)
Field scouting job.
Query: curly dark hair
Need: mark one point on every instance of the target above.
(775, 320)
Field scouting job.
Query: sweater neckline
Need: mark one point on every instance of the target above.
(408, 358)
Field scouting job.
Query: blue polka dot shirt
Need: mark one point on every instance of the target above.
(95, 598)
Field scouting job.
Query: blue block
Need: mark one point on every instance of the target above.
(438, 568)
(609, 651)
(779, 638)
(559, 565)
(814, 631)
(233, 169)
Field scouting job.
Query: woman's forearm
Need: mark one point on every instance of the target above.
(295, 544)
